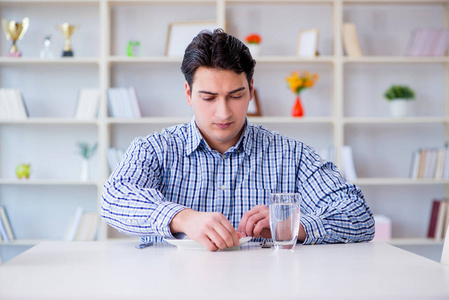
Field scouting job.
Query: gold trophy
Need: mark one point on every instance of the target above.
(15, 31)
(67, 29)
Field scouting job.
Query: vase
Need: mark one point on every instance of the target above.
(398, 108)
(254, 49)
(297, 110)
(85, 170)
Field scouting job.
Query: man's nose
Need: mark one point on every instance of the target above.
(222, 110)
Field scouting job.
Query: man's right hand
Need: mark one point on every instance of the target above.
(211, 229)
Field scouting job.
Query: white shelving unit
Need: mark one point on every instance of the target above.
(344, 108)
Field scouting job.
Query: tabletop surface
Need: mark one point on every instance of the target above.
(117, 270)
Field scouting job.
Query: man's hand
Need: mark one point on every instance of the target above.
(256, 222)
(211, 229)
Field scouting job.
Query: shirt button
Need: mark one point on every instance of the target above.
(315, 233)
(313, 243)
(223, 156)
(223, 187)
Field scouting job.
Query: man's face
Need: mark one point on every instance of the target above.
(220, 101)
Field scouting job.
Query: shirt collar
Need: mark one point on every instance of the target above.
(196, 139)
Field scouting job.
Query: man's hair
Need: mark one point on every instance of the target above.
(217, 50)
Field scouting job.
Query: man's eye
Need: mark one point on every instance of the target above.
(207, 98)
(236, 97)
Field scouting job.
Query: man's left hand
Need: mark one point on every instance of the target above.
(256, 222)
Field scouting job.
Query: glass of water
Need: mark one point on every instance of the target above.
(284, 219)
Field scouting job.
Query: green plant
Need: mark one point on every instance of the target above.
(87, 151)
(399, 92)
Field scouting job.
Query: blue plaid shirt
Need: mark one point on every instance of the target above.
(162, 174)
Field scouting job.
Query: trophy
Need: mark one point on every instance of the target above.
(15, 31)
(67, 29)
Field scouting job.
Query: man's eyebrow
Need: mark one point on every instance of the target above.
(231, 92)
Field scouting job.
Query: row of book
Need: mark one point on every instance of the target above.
(6, 232)
(422, 42)
(430, 163)
(439, 219)
(428, 42)
(347, 160)
(83, 226)
(12, 105)
(123, 103)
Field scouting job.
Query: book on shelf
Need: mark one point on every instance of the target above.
(428, 42)
(12, 105)
(351, 41)
(347, 161)
(430, 163)
(87, 104)
(123, 103)
(6, 231)
(114, 156)
(83, 226)
(439, 219)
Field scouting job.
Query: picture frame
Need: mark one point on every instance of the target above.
(254, 109)
(308, 43)
(180, 34)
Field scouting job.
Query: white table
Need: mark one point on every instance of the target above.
(116, 270)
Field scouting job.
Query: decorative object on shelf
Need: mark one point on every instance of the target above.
(133, 49)
(15, 31)
(398, 97)
(350, 40)
(308, 43)
(67, 30)
(23, 171)
(253, 43)
(254, 109)
(298, 82)
(180, 34)
(86, 152)
(46, 51)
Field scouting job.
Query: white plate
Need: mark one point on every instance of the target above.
(191, 244)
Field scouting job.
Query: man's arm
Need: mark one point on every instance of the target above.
(333, 209)
(132, 202)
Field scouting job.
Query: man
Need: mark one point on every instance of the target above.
(211, 178)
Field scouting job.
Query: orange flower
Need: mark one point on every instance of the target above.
(297, 82)
(253, 38)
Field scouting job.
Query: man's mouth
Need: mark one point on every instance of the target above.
(223, 125)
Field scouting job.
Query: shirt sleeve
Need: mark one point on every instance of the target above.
(131, 200)
(333, 209)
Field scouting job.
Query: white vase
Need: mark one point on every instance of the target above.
(85, 170)
(399, 107)
(254, 49)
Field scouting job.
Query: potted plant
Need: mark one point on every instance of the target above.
(86, 153)
(253, 42)
(398, 97)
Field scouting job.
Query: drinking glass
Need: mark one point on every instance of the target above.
(284, 219)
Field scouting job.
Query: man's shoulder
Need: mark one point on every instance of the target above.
(168, 136)
(261, 133)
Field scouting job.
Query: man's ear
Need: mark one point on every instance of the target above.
(188, 93)
(251, 89)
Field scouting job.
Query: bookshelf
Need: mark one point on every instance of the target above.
(344, 108)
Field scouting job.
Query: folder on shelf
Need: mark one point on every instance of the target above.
(350, 40)
(439, 219)
(87, 104)
(12, 105)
